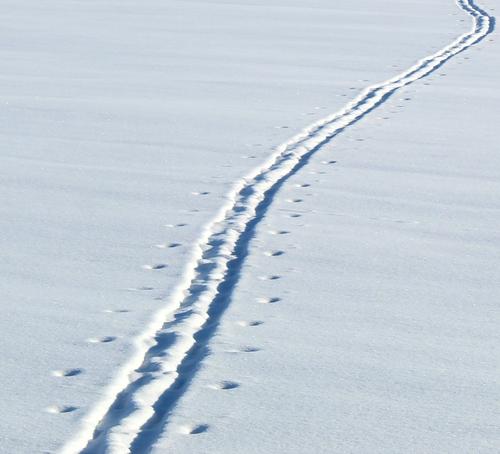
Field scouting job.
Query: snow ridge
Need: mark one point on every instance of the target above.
(133, 411)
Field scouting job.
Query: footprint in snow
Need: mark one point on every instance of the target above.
(279, 232)
(270, 300)
(225, 385)
(61, 409)
(250, 323)
(67, 372)
(244, 349)
(193, 429)
(143, 288)
(248, 349)
(170, 245)
(158, 266)
(101, 340)
(200, 193)
(272, 277)
(274, 253)
(171, 226)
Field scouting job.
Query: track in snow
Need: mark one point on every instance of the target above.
(133, 412)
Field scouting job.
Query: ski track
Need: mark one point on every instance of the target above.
(134, 409)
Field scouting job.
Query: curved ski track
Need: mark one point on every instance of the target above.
(132, 413)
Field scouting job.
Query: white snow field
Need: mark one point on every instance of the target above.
(189, 268)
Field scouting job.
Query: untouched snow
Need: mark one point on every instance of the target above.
(123, 126)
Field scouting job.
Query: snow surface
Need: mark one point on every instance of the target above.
(384, 336)
(123, 127)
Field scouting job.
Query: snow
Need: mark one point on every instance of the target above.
(124, 128)
(384, 338)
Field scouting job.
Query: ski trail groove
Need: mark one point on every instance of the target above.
(130, 413)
